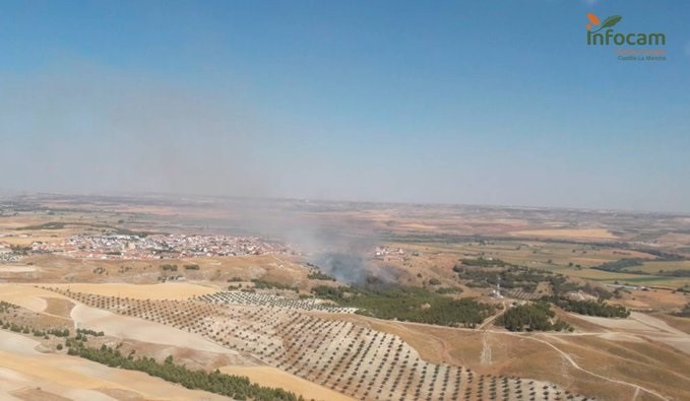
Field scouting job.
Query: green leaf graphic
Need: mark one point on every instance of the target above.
(611, 21)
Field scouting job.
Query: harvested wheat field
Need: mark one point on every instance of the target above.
(140, 291)
(141, 330)
(22, 368)
(27, 295)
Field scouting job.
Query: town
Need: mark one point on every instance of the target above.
(158, 246)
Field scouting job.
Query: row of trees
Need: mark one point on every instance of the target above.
(269, 285)
(6, 307)
(317, 275)
(236, 387)
(18, 328)
(90, 332)
(481, 262)
(617, 266)
(590, 308)
(623, 265)
(169, 267)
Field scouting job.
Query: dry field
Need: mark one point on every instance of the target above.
(140, 291)
(679, 323)
(610, 361)
(587, 234)
(654, 299)
(27, 374)
(655, 267)
(571, 259)
(215, 272)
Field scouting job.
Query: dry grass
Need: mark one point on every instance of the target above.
(59, 307)
(655, 299)
(678, 323)
(655, 267)
(649, 364)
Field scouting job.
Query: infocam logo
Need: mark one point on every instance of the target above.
(595, 36)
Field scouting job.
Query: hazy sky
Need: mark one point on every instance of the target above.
(483, 102)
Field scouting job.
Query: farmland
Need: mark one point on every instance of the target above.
(348, 358)
(380, 302)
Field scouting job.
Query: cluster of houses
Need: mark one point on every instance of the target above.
(159, 246)
(7, 255)
(388, 253)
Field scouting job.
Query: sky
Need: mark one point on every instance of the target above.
(482, 102)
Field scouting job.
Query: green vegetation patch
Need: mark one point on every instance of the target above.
(638, 266)
(169, 268)
(269, 285)
(410, 304)
(484, 262)
(532, 317)
(317, 275)
(53, 225)
(619, 265)
(527, 279)
(590, 308)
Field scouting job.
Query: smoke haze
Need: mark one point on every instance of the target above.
(284, 99)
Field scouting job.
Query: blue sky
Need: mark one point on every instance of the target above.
(492, 102)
